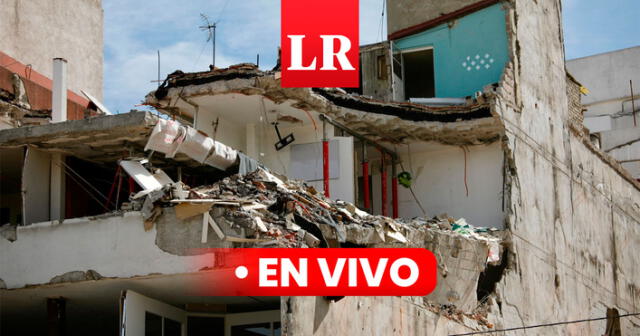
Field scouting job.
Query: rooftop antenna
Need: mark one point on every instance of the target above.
(211, 28)
(158, 81)
(158, 67)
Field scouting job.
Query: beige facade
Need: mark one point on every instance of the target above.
(36, 31)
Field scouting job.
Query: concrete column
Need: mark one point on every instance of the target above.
(58, 114)
(57, 188)
(59, 94)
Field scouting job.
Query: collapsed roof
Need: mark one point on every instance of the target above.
(185, 94)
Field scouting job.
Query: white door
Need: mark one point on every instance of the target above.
(141, 315)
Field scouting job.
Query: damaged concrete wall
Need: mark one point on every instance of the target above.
(375, 66)
(451, 308)
(34, 32)
(365, 315)
(88, 248)
(573, 217)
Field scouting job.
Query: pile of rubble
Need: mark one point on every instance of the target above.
(271, 210)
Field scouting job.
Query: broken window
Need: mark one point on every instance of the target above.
(418, 74)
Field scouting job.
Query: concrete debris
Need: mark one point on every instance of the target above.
(292, 214)
(76, 276)
(9, 232)
(453, 313)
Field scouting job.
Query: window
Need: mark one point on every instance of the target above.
(152, 324)
(156, 325)
(418, 74)
(257, 329)
(205, 326)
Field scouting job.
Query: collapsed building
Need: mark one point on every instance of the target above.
(466, 116)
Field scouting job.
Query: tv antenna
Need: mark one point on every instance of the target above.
(211, 28)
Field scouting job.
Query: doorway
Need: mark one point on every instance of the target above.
(418, 73)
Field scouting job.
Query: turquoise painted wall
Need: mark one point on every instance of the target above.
(467, 56)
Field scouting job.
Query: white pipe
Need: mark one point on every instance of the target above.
(59, 94)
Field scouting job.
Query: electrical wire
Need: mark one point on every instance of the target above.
(410, 160)
(222, 11)
(415, 198)
(85, 181)
(381, 20)
(263, 108)
(85, 189)
(543, 325)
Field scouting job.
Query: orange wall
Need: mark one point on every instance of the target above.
(38, 87)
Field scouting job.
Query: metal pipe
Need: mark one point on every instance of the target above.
(59, 90)
(383, 183)
(325, 159)
(394, 189)
(365, 177)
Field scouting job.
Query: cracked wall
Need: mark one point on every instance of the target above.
(105, 247)
(573, 216)
(366, 315)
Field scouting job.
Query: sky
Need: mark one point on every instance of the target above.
(134, 31)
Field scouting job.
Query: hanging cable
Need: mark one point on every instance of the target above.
(542, 325)
(381, 20)
(466, 185)
(85, 181)
(415, 198)
(84, 188)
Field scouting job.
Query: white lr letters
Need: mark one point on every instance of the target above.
(328, 53)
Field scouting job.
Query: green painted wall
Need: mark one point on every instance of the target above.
(467, 56)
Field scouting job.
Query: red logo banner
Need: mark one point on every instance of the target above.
(320, 44)
(317, 272)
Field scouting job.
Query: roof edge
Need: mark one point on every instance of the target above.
(441, 19)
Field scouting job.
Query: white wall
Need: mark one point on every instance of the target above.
(598, 124)
(607, 75)
(114, 247)
(258, 141)
(36, 177)
(230, 133)
(438, 182)
(342, 187)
